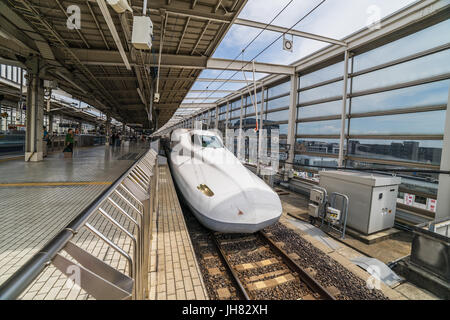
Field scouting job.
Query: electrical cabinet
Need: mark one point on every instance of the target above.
(142, 32)
(372, 198)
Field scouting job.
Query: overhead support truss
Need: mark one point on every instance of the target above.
(259, 25)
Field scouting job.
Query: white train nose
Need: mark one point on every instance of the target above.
(246, 212)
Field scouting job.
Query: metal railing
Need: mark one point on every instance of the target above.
(137, 188)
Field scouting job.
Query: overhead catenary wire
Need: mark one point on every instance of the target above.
(243, 50)
(265, 48)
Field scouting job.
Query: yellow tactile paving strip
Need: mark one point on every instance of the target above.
(175, 274)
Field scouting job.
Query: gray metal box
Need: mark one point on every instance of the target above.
(372, 198)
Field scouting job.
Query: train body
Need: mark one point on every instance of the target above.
(222, 194)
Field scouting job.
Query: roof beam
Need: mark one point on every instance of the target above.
(12, 32)
(193, 14)
(202, 98)
(112, 58)
(183, 34)
(180, 10)
(238, 65)
(259, 25)
(200, 37)
(217, 91)
(97, 24)
(197, 105)
(113, 30)
(222, 80)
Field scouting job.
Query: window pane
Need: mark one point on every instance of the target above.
(328, 73)
(278, 103)
(278, 116)
(328, 91)
(14, 74)
(304, 160)
(236, 104)
(417, 123)
(251, 109)
(249, 122)
(421, 182)
(331, 127)
(278, 90)
(432, 65)
(317, 145)
(283, 131)
(415, 151)
(332, 108)
(435, 93)
(428, 38)
(236, 113)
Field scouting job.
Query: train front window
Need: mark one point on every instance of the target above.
(207, 141)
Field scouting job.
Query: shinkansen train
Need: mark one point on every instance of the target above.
(223, 195)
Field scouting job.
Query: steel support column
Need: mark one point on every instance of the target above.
(227, 115)
(292, 124)
(344, 110)
(443, 199)
(241, 138)
(260, 131)
(35, 118)
(108, 129)
(50, 124)
(216, 120)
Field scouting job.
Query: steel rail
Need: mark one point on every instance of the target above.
(25, 275)
(224, 258)
(303, 275)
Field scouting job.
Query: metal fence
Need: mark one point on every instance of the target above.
(137, 189)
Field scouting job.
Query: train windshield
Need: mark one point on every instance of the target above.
(207, 141)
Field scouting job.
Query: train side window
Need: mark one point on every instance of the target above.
(206, 141)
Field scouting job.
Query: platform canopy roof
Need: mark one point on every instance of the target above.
(97, 63)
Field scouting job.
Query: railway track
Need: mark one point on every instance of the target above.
(261, 269)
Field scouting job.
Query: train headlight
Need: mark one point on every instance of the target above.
(205, 190)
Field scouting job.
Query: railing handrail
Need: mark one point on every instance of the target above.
(25, 275)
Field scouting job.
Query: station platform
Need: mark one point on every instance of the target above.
(38, 199)
(174, 272)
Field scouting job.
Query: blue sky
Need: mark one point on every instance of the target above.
(335, 19)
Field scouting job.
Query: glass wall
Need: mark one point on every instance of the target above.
(396, 110)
